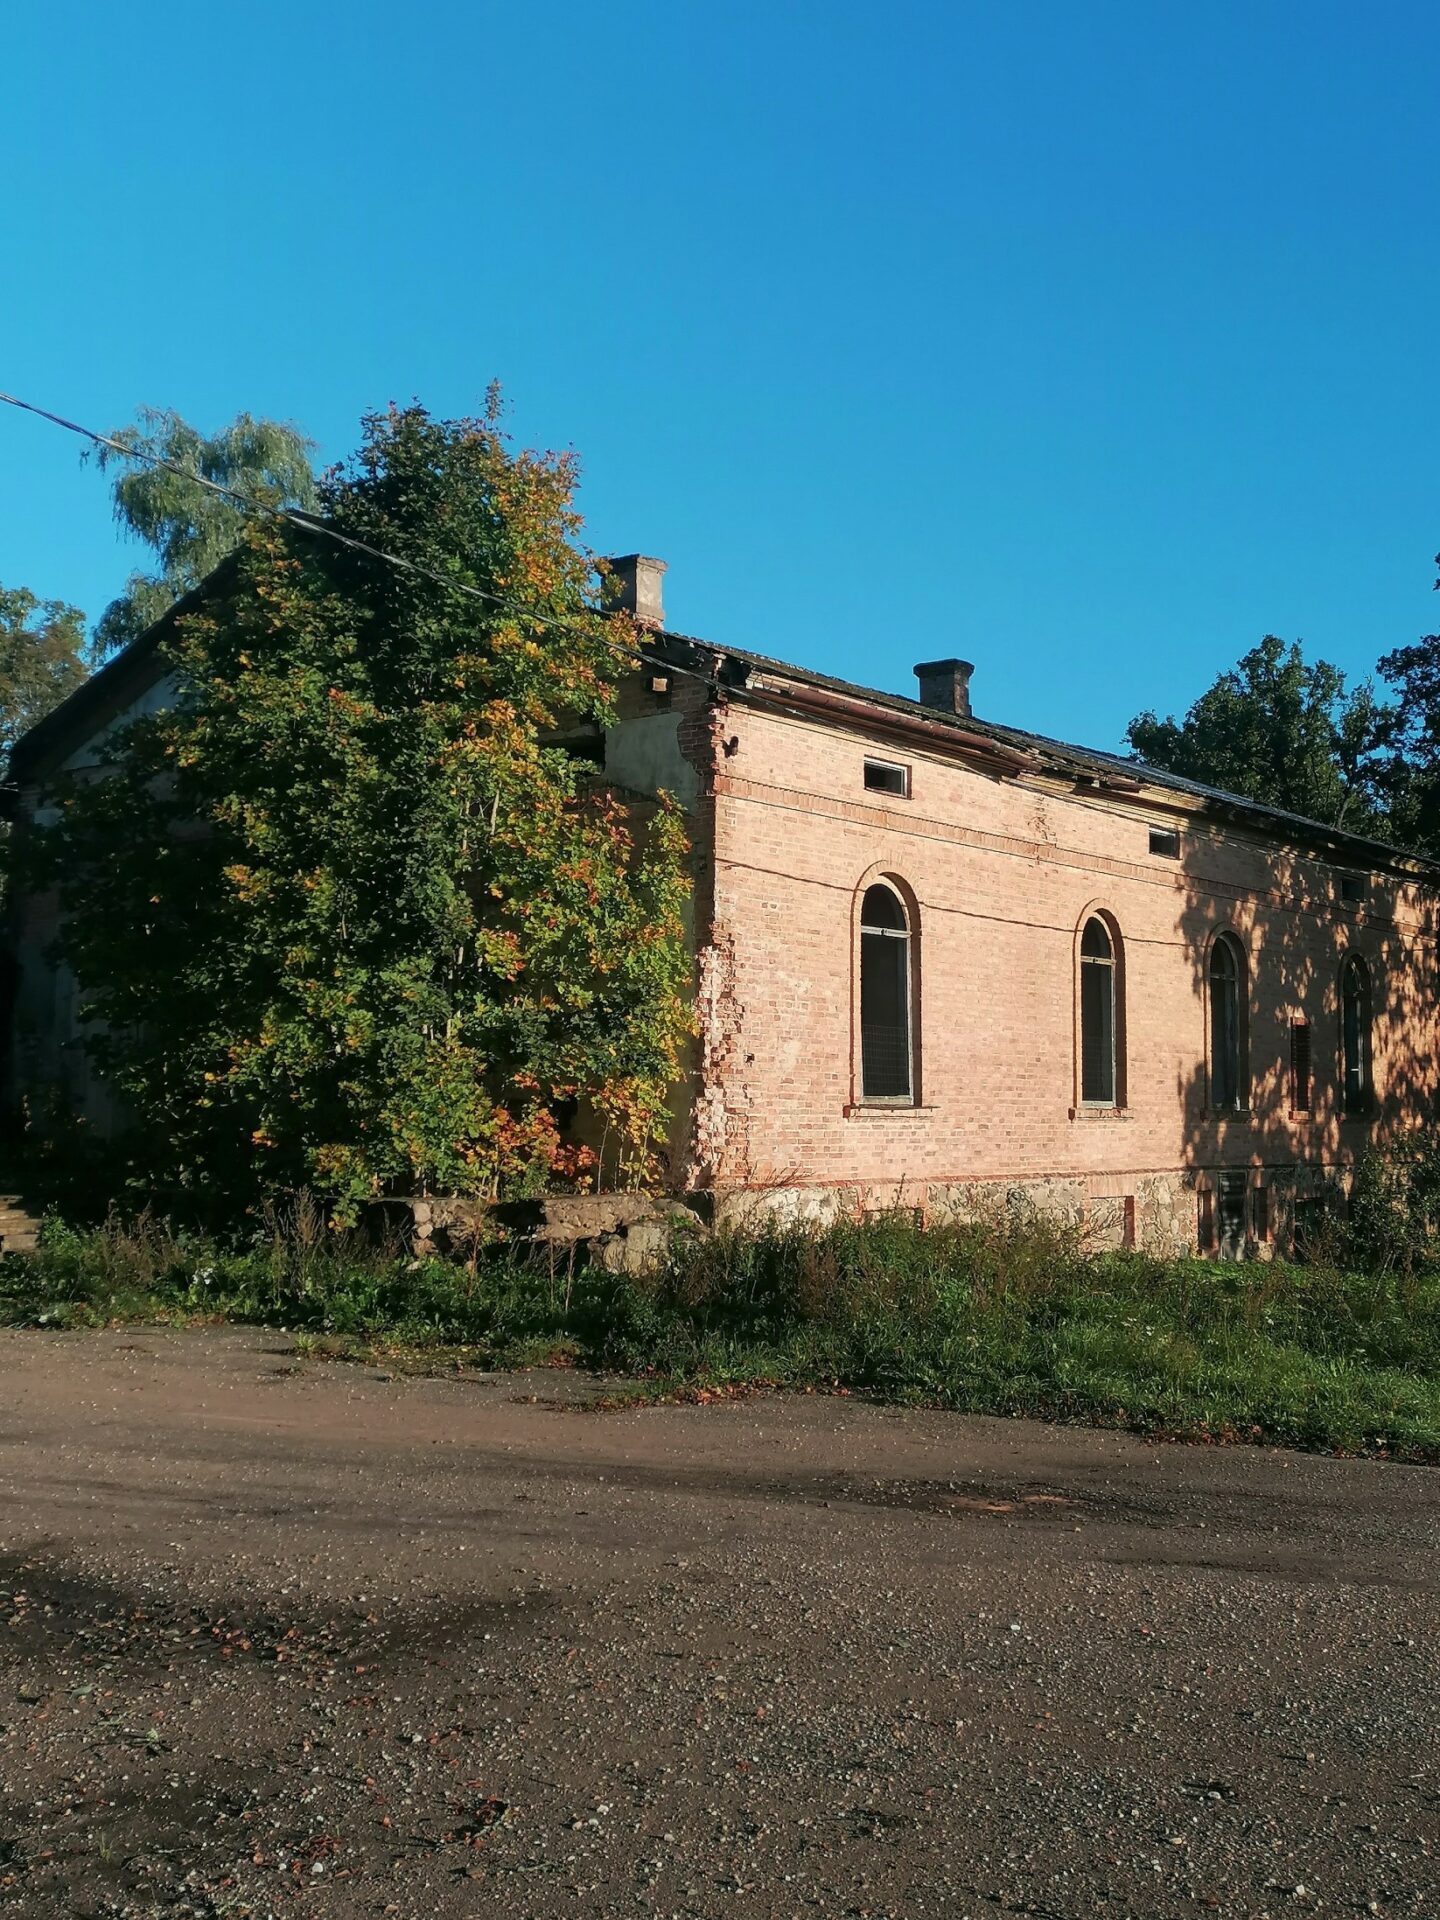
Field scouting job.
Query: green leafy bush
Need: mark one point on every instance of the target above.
(1005, 1316)
(1394, 1224)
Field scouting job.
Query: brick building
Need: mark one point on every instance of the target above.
(942, 962)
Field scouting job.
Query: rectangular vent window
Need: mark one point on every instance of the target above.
(1299, 1066)
(1352, 887)
(1166, 842)
(884, 776)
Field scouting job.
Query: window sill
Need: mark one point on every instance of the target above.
(883, 1108)
(1101, 1113)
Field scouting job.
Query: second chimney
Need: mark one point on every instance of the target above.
(632, 584)
(945, 685)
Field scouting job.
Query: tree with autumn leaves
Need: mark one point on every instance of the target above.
(345, 915)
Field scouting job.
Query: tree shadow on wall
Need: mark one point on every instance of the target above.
(1295, 920)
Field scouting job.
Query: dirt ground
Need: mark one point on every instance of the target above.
(283, 1638)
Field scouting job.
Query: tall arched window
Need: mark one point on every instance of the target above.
(1099, 1022)
(887, 1046)
(1229, 1026)
(1355, 1032)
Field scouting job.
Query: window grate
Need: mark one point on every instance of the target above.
(885, 1060)
(1299, 1066)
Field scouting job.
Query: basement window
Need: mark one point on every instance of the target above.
(887, 776)
(1230, 1215)
(1260, 1213)
(1166, 842)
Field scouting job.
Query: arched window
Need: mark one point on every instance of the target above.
(887, 1044)
(1099, 1022)
(1355, 1032)
(1229, 1026)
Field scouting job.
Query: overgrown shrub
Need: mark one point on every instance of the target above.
(1394, 1224)
(998, 1316)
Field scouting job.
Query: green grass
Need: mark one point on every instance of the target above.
(1006, 1318)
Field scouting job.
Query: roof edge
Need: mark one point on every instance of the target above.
(1115, 772)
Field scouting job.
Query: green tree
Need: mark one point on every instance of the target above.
(345, 915)
(191, 528)
(1277, 729)
(43, 656)
(1414, 774)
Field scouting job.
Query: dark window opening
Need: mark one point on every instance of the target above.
(1165, 841)
(1097, 1015)
(1205, 1220)
(1352, 887)
(587, 748)
(1230, 1214)
(1227, 1026)
(1355, 1033)
(885, 1035)
(1299, 1066)
(885, 776)
(1260, 1212)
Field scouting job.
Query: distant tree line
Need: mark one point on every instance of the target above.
(1292, 733)
(1278, 728)
(45, 650)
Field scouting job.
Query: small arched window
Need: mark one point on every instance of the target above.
(1099, 1025)
(887, 1044)
(1229, 1026)
(1355, 1032)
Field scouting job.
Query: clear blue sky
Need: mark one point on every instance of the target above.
(1090, 341)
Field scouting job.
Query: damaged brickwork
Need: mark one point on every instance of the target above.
(717, 1147)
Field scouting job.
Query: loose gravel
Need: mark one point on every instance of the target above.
(280, 1638)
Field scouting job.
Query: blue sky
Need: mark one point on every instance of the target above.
(1089, 341)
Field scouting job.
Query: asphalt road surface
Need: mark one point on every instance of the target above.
(290, 1638)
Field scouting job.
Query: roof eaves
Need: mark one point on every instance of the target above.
(1067, 757)
(110, 686)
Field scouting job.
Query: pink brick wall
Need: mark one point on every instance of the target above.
(1004, 872)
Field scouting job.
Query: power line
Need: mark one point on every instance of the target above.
(308, 523)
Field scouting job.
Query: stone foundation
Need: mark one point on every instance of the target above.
(1164, 1214)
(1157, 1213)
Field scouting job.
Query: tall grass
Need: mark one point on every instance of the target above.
(1006, 1316)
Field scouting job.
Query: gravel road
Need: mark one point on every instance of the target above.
(285, 1638)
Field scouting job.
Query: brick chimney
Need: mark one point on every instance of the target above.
(632, 585)
(945, 685)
